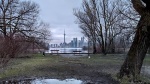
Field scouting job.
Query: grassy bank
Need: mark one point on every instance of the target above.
(60, 67)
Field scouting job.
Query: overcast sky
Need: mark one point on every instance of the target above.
(59, 14)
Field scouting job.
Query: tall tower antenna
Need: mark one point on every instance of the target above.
(64, 39)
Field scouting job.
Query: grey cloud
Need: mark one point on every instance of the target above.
(59, 14)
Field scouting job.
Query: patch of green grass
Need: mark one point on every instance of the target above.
(147, 60)
(26, 66)
(102, 60)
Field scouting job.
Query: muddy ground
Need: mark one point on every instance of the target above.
(82, 72)
(96, 70)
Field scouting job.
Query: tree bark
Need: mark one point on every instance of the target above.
(94, 49)
(134, 60)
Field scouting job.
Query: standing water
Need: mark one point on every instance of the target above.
(43, 81)
(56, 81)
(67, 50)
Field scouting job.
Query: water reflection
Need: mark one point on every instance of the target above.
(43, 81)
(67, 50)
(56, 81)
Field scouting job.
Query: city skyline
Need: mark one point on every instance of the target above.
(65, 38)
(73, 43)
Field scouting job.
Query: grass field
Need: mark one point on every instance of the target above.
(62, 67)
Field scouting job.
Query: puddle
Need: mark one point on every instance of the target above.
(43, 81)
(56, 81)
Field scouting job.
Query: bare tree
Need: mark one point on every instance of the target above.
(128, 19)
(101, 21)
(134, 60)
(17, 17)
(44, 33)
(18, 25)
(41, 35)
(87, 21)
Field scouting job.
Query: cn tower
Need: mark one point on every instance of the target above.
(64, 39)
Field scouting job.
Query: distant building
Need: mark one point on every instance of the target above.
(74, 43)
(61, 45)
(82, 41)
(71, 43)
(75, 40)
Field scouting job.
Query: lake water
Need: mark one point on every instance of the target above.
(67, 50)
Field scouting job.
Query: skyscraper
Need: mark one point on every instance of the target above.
(75, 42)
(82, 41)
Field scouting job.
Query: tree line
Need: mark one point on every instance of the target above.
(109, 24)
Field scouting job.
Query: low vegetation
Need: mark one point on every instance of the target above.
(53, 66)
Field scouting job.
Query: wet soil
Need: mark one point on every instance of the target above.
(69, 69)
(88, 74)
(82, 72)
(96, 70)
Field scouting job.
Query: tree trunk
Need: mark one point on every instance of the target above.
(112, 46)
(134, 60)
(103, 46)
(94, 49)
